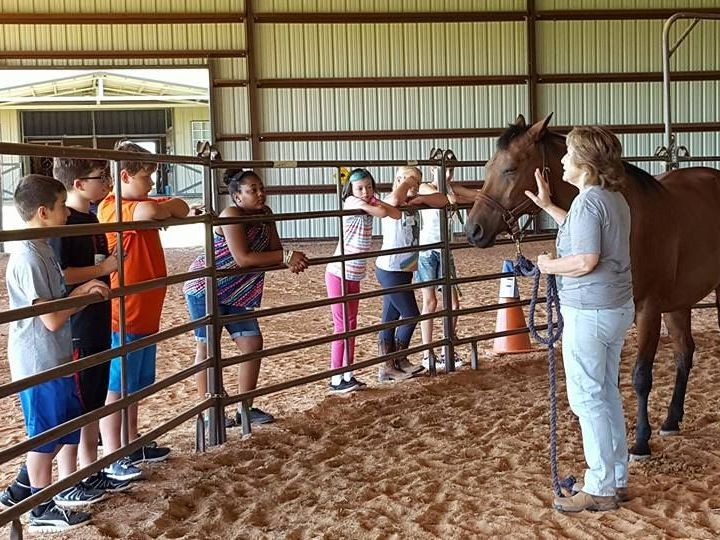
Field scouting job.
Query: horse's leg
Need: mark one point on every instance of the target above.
(648, 330)
(683, 345)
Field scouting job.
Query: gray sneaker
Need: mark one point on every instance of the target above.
(101, 481)
(124, 470)
(50, 518)
(78, 495)
(257, 416)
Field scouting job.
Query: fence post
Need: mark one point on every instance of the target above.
(216, 424)
(445, 236)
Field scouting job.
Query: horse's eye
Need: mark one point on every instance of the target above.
(508, 172)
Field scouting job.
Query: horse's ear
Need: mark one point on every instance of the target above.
(520, 121)
(538, 129)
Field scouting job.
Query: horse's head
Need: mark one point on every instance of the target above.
(520, 150)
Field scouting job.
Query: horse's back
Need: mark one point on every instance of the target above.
(676, 247)
(701, 176)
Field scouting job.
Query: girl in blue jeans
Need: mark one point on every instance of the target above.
(239, 246)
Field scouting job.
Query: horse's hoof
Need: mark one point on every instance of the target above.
(637, 457)
(669, 432)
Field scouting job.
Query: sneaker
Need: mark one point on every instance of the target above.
(49, 518)
(13, 495)
(439, 366)
(343, 387)
(149, 454)
(78, 495)
(100, 480)
(458, 361)
(123, 470)
(257, 416)
(360, 385)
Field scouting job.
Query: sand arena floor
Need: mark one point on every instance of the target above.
(458, 456)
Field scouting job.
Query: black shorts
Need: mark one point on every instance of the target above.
(92, 382)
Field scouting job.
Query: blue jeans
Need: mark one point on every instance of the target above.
(591, 345)
(396, 306)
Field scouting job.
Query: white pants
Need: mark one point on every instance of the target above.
(592, 342)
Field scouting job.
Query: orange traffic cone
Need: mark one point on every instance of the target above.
(510, 318)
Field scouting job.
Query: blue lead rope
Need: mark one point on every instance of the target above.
(525, 267)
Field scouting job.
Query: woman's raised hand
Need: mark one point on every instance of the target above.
(542, 198)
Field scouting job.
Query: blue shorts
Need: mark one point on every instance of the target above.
(429, 267)
(140, 365)
(244, 328)
(48, 405)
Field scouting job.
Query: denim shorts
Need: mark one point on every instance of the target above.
(244, 328)
(429, 267)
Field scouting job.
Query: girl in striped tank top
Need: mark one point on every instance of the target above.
(237, 246)
(358, 194)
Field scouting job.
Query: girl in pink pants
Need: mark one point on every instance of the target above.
(358, 194)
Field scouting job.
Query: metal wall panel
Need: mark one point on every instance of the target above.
(231, 114)
(356, 150)
(389, 108)
(121, 6)
(623, 46)
(384, 50)
(230, 68)
(187, 178)
(629, 103)
(10, 170)
(120, 37)
(384, 6)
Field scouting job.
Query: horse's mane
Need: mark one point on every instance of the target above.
(512, 132)
(642, 178)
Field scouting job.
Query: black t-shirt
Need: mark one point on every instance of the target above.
(92, 324)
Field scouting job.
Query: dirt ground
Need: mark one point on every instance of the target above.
(454, 456)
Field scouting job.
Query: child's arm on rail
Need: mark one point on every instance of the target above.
(55, 320)
(159, 211)
(245, 257)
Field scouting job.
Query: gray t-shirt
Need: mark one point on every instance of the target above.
(598, 222)
(32, 274)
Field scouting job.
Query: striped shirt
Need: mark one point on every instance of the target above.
(241, 291)
(358, 236)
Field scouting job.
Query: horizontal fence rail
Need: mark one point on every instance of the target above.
(214, 361)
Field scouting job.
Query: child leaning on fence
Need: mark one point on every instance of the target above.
(33, 277)
(240, 245)
(430, 265)
(397, 269)
(144, 260)
(358, 194)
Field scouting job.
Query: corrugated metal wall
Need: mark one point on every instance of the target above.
(283, 112)
(9, 165)
(187, 178)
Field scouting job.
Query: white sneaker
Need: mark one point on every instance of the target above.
(439, 365)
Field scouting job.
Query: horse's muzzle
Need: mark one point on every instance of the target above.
(476, 235)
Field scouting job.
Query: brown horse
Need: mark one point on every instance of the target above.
(674, 246)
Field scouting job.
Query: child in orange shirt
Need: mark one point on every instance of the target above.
(144, 260)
